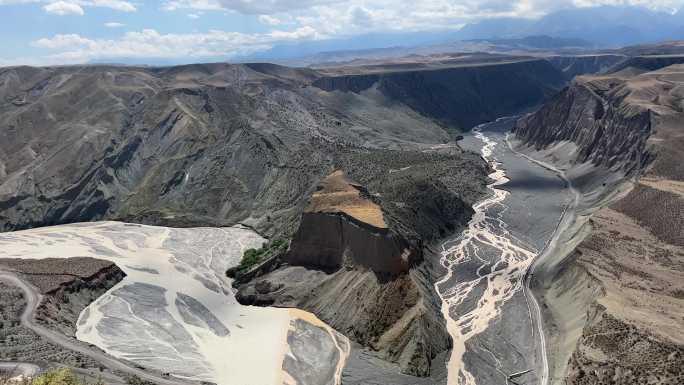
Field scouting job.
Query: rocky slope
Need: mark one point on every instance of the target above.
(18, 343)
(358, 259)
(67, 289)
(68, 286)
(217, 144)
(612, 294)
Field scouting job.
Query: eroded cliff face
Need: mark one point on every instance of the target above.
(351, 265)
(612, 290)
(576, 65)
(591, 114)
(461, 97)
(330, 241)
(212, 144)
(340, 228)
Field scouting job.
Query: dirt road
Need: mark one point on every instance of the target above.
(33, 300)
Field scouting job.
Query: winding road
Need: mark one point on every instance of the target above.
(33, 299)
(563, 223)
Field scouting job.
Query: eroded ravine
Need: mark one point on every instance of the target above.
(485, 268)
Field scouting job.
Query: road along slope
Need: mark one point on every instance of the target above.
(33, 300)
(611, 286)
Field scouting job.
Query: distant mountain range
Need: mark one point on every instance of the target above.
(593, 27)
(604, 26)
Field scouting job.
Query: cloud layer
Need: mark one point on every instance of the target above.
(148, 43)
(280, 21)
(75, 7)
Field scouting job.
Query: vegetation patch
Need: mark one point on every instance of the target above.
(253, 257)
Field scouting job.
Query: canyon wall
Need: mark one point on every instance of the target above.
(606, 132)
(462, 97)
(210, 144)
(611, 287)
(574, 65)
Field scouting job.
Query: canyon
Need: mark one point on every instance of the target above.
(449, 219)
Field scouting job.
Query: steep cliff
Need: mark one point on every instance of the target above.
(612, 288)
(592, 114)
(358, 259)
(574, 65)
(648, 63)
(463, 96)
(340, 227)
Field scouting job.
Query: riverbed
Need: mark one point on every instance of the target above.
(488, 311)
(175, 311)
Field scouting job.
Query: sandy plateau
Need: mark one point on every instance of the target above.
(175, 310)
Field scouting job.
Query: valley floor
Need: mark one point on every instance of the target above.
(496, 334)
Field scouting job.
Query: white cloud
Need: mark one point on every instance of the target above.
(148, 43)
(62, 41)
(114, 25)
(202, 5)
(118, 5)
(76, 7)
(64, 8)
(251, 7)
(411, 11)
(269, 20)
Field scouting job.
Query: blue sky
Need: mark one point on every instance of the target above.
(46, 32)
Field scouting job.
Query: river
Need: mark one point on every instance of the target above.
(489, 312)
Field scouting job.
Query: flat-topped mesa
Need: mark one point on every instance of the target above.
(342, 226)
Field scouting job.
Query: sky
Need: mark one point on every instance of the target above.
(56, 32)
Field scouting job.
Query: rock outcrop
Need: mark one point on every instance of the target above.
(360, 264)
(340, 227)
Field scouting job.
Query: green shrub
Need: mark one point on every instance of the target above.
(61, 376)
(253, 257)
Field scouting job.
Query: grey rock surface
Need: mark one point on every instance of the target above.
(218, 144)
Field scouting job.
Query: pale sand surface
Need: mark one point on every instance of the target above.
(667, 185)
(175, 311)
(339, 195)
